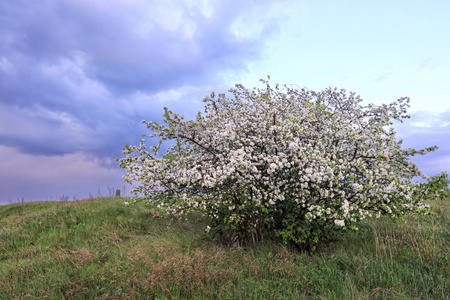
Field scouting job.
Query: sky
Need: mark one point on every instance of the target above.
(78, 77)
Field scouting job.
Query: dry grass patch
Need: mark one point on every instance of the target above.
(174, 271)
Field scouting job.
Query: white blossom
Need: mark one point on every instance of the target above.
(339, 222)
(271, 148)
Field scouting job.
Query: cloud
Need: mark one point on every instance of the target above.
(382, 77)
(78, 77)
(39, 177)
(129, 46)
(73, 74)
(426, 129)
(430, 62)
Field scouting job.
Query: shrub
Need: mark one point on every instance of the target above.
(280, 162)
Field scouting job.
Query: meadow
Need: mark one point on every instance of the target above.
(102, 249)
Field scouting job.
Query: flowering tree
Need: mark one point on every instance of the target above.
(280, 162)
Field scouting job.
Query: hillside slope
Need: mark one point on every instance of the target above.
(102, 249)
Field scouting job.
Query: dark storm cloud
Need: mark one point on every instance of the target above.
(124, 46)
(79, 76)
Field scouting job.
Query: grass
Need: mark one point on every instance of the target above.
(102, 249)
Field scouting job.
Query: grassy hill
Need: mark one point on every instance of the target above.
(102, 249)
